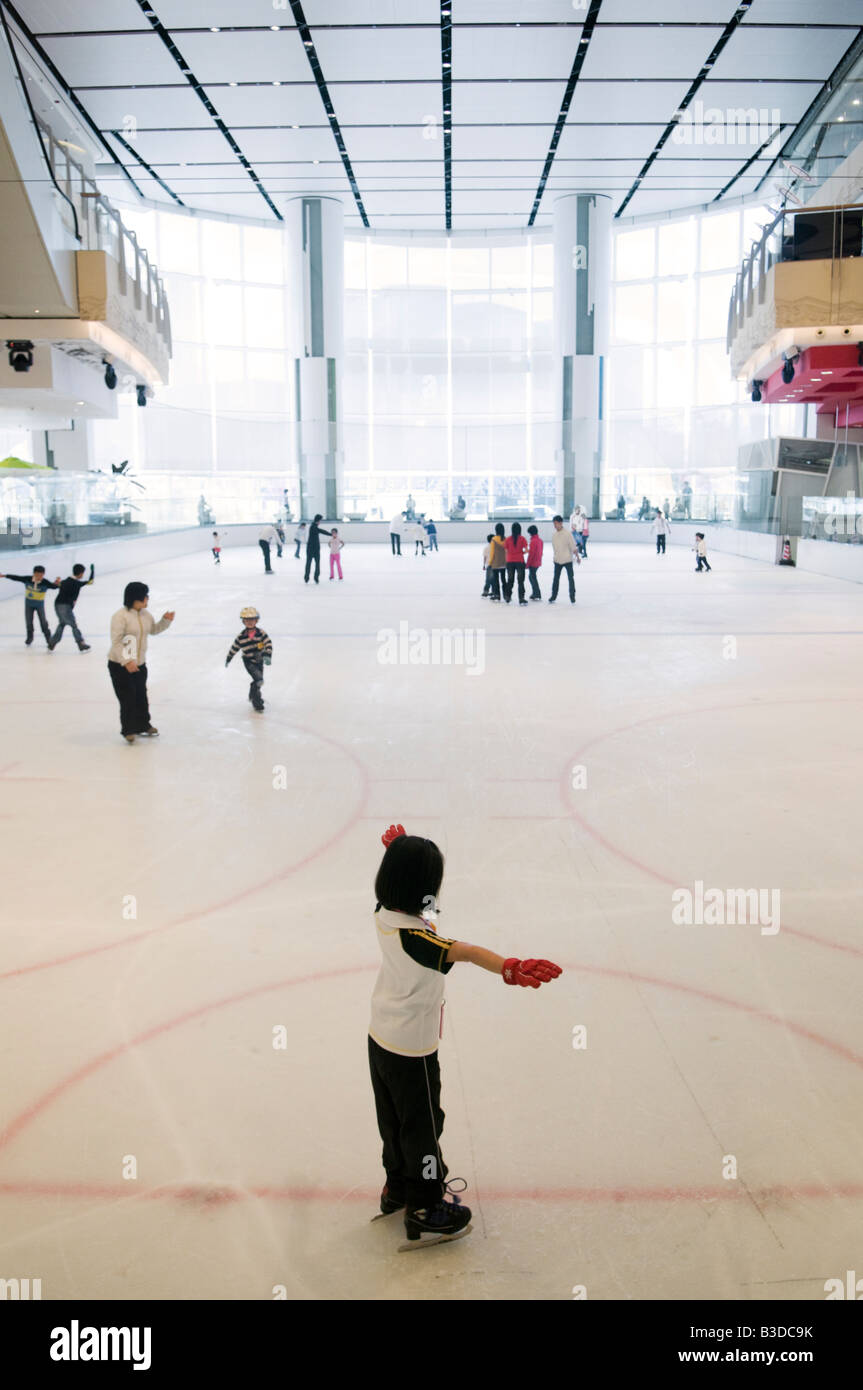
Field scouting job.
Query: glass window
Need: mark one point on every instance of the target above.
(509, 267)
(720, 241)
(673, 311)
(714, 385)
(355, 264)
(714, 292)
(542, 264)
(427, 265)
(635, 254)
(220, 250)
(387, 265)
(263, 258)
(633, 314)
(178, 244)
(265, 317)
(677, 248)
(224, 313)
(469, 268)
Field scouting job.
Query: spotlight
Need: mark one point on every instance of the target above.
(110, 376)
(141, 393)
(20, 354)
(756, 390)
(788, 371)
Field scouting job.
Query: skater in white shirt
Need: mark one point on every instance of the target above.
(700, 548)
(564, 551)
(662, 527)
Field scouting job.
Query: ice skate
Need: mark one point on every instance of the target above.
(390, 1204)
(435, 1225)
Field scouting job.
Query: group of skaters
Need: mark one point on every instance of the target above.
(308, 534)
(507, 559)
(419, 529)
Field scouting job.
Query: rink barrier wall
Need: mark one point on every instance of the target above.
(834, 560)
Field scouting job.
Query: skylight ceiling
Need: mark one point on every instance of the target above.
(423, 114)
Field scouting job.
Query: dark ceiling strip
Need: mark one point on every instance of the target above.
(158, 28)
(144, 165)
(317, 71)
(66, 89)
(731, 27)
(446, 95)
(748, 165)
(810, 116)
(580, 55)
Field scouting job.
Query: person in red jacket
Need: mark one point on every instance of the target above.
(405, 1028)
(534, 560)
(516, 550)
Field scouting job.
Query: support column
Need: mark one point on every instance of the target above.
(582, 289)
(315, 246)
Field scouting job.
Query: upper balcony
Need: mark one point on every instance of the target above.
(795, 319)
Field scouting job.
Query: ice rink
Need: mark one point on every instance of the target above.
(170, 906)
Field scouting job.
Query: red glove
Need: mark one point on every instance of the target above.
(392, 834)
(529, 973)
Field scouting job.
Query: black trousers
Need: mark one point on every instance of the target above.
(36, 607)
(396, 543)
(660, 543)
(256, 670)
(534, 582)
(265, 546)
(130, 687)
(556, 581)
(410, 1120)
(515, 571)
(498, 581)
(313, 555)
(701, 562)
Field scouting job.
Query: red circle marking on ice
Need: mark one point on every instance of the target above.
(619, 853)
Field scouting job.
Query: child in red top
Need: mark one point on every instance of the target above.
(516, 549)
(534, 560)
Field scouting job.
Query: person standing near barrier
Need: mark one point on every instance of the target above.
(564, 550)
(662, 526)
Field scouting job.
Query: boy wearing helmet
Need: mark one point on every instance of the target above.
(257, 652)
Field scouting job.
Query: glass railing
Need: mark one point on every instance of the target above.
(835, 235)
(100, 228)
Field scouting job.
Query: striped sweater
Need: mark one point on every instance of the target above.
(252, 643)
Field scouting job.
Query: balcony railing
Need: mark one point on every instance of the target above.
(101, 228)
(776, 243)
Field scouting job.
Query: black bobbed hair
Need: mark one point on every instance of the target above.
(410, 875)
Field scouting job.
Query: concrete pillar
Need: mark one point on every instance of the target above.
(582, 311)
(315, 267)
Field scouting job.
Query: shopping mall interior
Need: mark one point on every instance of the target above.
(333, 329)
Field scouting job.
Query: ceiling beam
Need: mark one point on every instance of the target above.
(446, 97)
(575, 72)
(317, 72)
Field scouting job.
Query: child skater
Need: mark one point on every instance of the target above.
(64, 606)
(299, 538)
(534, 560)
(662, 527)
(34, 600)
(700, 553)
(406, 1023)
(486, 553)
(336, 544)
(257, 652)
(217, 548)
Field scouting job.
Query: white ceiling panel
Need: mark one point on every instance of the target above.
(371, 142)
(163, 107)
(288, 145)
(263, 57)
(386, 103)
(804, 12)
(479, 221)
(790, 100)
(77, 16)
(601, 141)
(593, 168)
(379, 55)
(647, 203)
(508, 102)
(622, 53)
(778, 53)
(701, 163)
(626, 102)
(668, 11)
(494, 202)
(397, 169)
(376, 203)
(512, 52)
(124, 60)
(495, 142)
(243, 106)
(514, 11)
(175, 146)
(236, 204)
(371, 12)
(479, 168)
(202, 14)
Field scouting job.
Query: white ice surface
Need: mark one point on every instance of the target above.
(601, 1167)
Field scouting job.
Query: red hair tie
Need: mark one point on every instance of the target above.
(392, 834)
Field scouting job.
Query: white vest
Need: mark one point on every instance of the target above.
(407, 1002)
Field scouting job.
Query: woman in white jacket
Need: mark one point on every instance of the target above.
(131, 625)
(662, 526)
